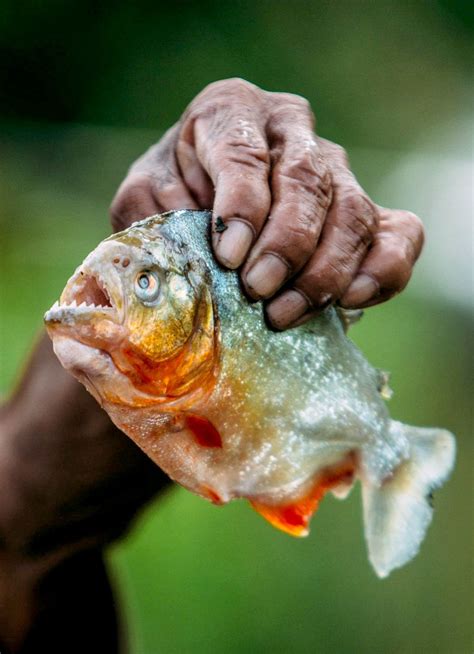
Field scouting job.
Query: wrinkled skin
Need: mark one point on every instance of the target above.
(61, 449)
(297, 220)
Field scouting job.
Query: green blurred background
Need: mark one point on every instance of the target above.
(84, 89)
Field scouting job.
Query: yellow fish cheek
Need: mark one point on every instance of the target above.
(158, 332)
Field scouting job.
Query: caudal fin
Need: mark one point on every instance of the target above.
(398, 512)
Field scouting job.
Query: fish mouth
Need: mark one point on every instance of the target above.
(85, 296)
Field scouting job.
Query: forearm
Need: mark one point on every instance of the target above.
(69, 481)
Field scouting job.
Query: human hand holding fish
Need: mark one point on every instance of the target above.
(292, 215)
(289, 213)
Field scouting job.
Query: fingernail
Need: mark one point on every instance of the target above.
(266, 276)
(234, 243)
(286, 309)
(362, 289)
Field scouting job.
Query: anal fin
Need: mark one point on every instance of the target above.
(293, 517)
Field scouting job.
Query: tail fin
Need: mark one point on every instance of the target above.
(398, 512)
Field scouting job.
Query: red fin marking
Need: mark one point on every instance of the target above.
(294, 518)
(211, 494)
(203, 431)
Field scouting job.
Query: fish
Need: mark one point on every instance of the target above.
(166, 341)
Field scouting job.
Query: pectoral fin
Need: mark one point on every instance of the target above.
(204, 432)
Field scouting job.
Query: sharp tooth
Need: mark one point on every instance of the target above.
(74, 303)
(55, 306)
(82, 304)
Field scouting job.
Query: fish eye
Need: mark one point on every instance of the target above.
(147, 286)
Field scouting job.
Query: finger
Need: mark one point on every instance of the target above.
(169, 188)
(154, 184)
(301, 194)
(346, 235)
(196, 178)
(230, 144)
(389, 264)
(349, 229)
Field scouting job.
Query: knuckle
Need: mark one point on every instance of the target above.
(232, 160)
(299, 239)
(244, 144)
(303, 163)
(236, 84)
(360, 216)
(242, 194)
(334, 152)
(336, 276)
(295, 100)
(308, 174)
(215, 110)
(342, 253)
(224, 92)
(289, 110)
(319, 289)
(239, 85)
(326, 279)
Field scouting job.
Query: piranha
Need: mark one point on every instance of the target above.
(166, 342)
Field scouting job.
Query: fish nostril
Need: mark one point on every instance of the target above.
(125, 261)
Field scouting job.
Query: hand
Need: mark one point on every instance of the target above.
(297, 222)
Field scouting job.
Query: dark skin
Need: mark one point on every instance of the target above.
(293, 219)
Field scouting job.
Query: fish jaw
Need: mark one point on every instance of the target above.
(87, 310)
(87, 323)
(91, 295)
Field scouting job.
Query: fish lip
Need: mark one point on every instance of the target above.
(85, 296)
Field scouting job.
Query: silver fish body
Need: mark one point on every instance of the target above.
(296, 413)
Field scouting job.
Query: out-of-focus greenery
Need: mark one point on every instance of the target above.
(192, 577)
(373, 70)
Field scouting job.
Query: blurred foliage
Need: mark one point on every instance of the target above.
(192, 577)
(373, 71)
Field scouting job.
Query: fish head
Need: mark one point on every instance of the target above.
(135, 323)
